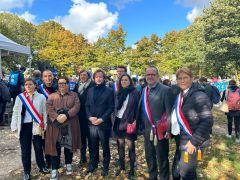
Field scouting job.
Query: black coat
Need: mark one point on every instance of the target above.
(129, 115)
(196, 109)
(102, 107)
(161, 102)
(83, 98)
(4, 96)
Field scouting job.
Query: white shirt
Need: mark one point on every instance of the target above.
(175, 128)
(121, 111)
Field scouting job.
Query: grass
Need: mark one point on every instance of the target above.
(221, 160)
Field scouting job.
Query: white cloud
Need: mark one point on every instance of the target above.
(28, 17)
(120, 4)
(11, 4)
(193, 14)
(93, 20)
(197, 5)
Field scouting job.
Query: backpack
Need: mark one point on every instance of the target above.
(233, 99)
(13, 78)
(38, 82)
(215, 95)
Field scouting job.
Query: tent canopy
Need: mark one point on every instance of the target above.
(7, 47)
(11, 46)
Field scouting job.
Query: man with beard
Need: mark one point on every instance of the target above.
(99, 106)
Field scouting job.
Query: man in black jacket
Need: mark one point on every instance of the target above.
(99, 106)
(159, 100)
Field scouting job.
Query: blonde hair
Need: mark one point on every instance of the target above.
(185, 71)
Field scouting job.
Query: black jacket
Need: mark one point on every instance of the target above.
(4, 96)
(102, 107)
(161, 102)
(129, 115)
(83, 98)
(196, 109)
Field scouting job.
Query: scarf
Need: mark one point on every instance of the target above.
(122, 95)
(83, 86)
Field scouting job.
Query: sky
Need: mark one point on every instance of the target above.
(94, 18)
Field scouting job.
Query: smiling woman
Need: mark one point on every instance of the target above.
(191, 124)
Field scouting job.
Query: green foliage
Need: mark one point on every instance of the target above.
(222, 31)
(18, 30)
(210, 46)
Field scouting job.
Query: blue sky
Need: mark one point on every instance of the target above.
(95, 18)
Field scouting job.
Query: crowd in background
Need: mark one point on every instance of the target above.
(81, 113)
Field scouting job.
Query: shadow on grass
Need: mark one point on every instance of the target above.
(221, 160)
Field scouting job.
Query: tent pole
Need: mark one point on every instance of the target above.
(1, 77)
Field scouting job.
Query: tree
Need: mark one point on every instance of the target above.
(222, 31)
(110, 50)
(146, 53)
(170, 60)
(65, 49)
(18, 30)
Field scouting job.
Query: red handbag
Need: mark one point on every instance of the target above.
(131, 128)
(162, 126)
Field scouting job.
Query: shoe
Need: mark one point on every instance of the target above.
(104, 172)
(131, 175)
(229, 136)
(44, 170)
(26, 176)
(237, 140)
(54, 174)
(81, 162)
(91, 169)
(119, 171)
(69, 169)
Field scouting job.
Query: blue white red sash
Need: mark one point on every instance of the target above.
(146, 108)
(115, 87)
(44, 91)
(180, 117)
(31, 109)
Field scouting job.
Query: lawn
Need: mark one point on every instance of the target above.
(221, 160)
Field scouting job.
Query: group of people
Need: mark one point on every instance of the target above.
(50, 117)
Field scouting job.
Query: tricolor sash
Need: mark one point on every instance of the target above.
(180, 117)
(44, 91)
(31, 109)
(115, 87)
(147, 112)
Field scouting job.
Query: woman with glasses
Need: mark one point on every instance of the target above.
(191, 122)
(29, 120)
(63, 128)
(126, 109)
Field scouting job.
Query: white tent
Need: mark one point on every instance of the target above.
(7, 47)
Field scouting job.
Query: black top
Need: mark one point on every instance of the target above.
(100, 104)
(196, 108)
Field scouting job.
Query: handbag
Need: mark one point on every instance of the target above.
(131, 128)
(162, 126)
(224, 107)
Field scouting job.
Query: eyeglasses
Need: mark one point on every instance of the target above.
(183, 78)
(62, 84)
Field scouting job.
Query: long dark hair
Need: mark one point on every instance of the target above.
(130, 79)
